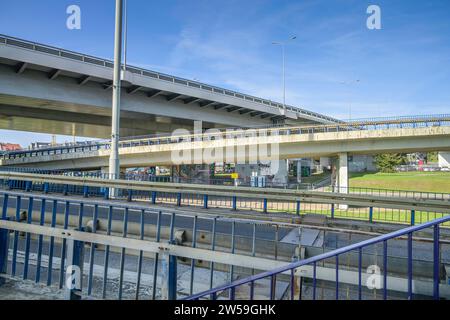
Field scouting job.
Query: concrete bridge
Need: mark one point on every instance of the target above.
(47, 89)
(251, 146)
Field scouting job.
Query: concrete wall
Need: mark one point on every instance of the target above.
(361, 163)
(444, 159)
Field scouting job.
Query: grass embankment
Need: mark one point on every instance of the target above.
(438, 182)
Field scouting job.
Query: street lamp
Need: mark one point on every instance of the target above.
(114, 165)
(283, 44)
(350, 104)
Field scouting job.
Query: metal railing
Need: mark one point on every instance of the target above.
(312, 264)
(92, 146)
(276, 201)
(42, 235)
(127, 251)
(11, 41)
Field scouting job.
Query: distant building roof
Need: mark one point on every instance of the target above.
(9, 146)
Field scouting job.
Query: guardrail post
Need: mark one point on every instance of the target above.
(130, 195)
(234, 203)
(178, 199)
(265, 206)
(371, 214)
(4, 246)
(172, 278)
(332, 211)
(46, 187)
(436, 265)
(106, 194)
(205, 201)
(153, 197)
(74, 270)
(413, 217)
(66, 190)
(298, 208)
(85, 191)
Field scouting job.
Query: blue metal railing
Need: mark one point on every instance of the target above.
(369, 212)
(27, 250)
(358, 247)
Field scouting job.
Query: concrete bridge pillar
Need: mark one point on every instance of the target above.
(105, 172)
(444, 159)
(342, 172)
(342, 175)
(325, 162)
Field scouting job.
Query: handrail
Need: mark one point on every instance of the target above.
(398, 193)
(321, 257)
(242, 192)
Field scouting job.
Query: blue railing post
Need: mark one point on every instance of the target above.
(66, 190)
(106, 194)
(413, 217)
(74, 271)
(332, 211)
(46, 187)
(265, 206)
(371, 214)
(153, 197)
(172, 278)
(436, 274)
(298, 208)
(130, 195)
(178, 199)
(85, 191)
(234, 203)
(205, 201)
(4, 245)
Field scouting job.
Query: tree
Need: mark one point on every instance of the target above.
(388, 161)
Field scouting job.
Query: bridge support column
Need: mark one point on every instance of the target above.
(444, 159)
(342, 176)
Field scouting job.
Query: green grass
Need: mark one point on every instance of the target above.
(438, 182)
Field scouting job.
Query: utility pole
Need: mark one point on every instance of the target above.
(350, 103)
(283, 44)
(114, 163)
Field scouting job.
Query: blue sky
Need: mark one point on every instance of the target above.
(403, 69)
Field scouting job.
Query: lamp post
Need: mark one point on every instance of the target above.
(114, 163)
(283, 44)
(350, 104)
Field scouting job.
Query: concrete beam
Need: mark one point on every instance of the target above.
(192, 100)
(173, 97)
(54, 74)
(207, 104)
(107, 85)
(21, 67)
(134, 89)
(83, 80)
(154, 93)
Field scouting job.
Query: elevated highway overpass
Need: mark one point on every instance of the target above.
(51, 90)
(407, 135)
(250, 146)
